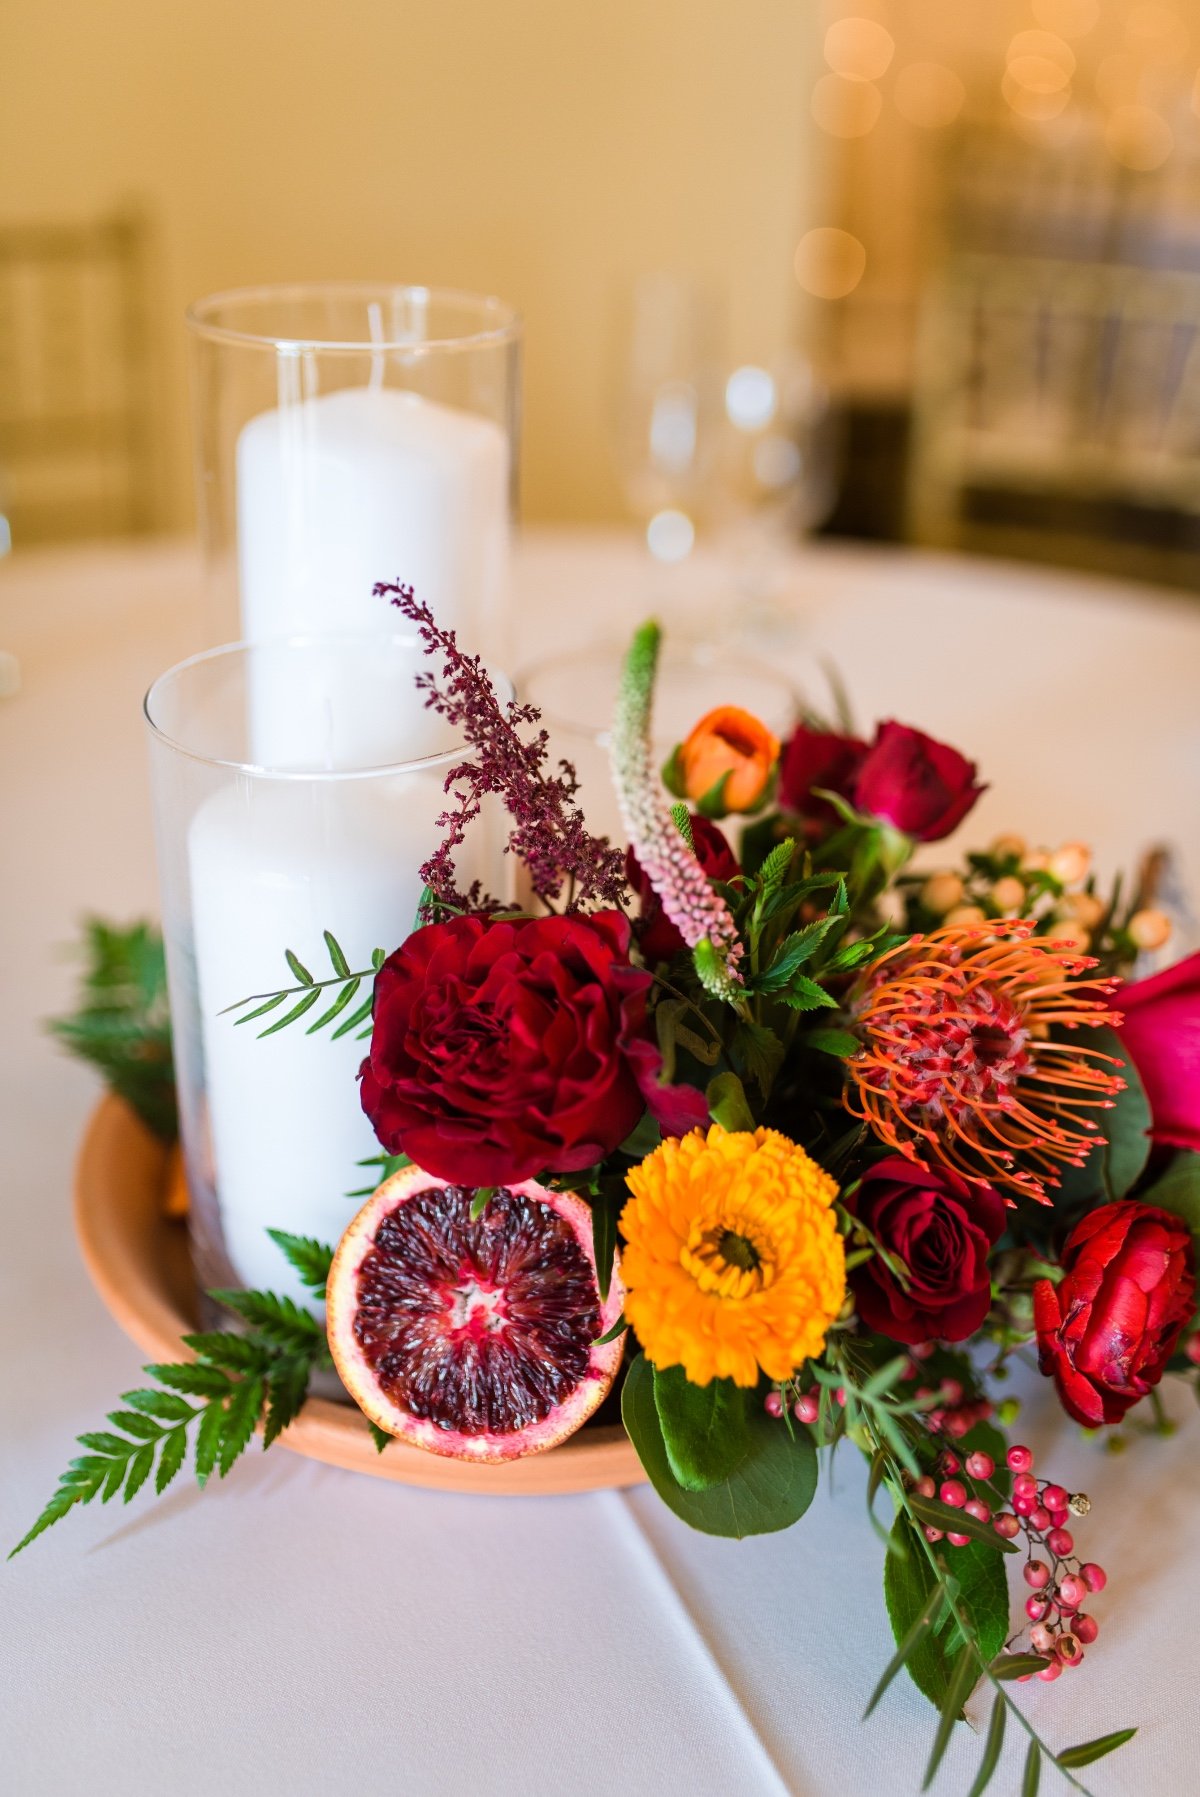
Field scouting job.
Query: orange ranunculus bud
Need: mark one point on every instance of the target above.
(726, 763)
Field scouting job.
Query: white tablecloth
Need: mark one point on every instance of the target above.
(302, 1630)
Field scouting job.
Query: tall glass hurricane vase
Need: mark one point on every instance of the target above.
(255, 860)
(347, 434)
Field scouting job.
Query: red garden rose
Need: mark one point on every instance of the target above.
(941, 1228)
(657, 936)
(903, 778)
(505, 1049)
(1107, 1330)
(1161, 1031)
(916, 784)
(817, 758)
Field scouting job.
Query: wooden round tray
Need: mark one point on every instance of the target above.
(138, 1261)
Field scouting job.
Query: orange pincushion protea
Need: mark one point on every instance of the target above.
(958, 1065)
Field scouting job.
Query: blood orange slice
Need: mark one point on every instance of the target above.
(478, 1340)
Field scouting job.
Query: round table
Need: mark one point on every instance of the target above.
(305, 1630)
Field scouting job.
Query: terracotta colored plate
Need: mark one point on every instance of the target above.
(138, 1262)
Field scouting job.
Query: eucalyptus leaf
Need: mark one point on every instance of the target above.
(1087, 1751)
(703, 1427)
(770, 1490)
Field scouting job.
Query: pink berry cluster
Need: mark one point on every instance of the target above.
(1059, 1584)
(954, 1414)
(806, 1407)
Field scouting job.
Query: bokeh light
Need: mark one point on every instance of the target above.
(859, 49)
(829, 263)
(670, 536)
(1159, 29)
(1041, 47)
(845, 108)
(928, 94)
(1029, 104)
(1138, 137)
(1067, 18)
(750, 398)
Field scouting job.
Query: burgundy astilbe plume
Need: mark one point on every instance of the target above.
(548, 831)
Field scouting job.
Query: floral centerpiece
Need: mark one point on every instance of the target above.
(793, 1144)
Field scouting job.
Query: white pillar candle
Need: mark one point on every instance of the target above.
(270, 870)
(343, 489)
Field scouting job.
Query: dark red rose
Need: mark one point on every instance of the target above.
(504, 1049)
(1161, 1031)
(657, 936)
(916, 784)
(1107, 1330)
(942, 1229)
(817, 758)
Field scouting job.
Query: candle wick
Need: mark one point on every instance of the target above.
(375, 325)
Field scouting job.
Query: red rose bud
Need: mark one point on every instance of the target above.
(920, 786)
(817, 758)
(941, 1229)
(725, 763)
(657, 936)
(1108, 1328)
(1161, 1032)
(504, 1049)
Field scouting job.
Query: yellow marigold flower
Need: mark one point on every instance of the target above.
(733, 1260)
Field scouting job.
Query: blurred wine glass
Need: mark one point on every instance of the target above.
(669, 388)
(777, 478)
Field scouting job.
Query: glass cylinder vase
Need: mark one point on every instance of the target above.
(257, 860)
(348, 434)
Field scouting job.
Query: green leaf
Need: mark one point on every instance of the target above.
(122, 1023)
(311, 997)
(712, 803)
(835, 1042)
(187, 1376)
(805, 995)
(604, 1239)
(792, 953)
(309, 1259)
(770, 1490)
(278, 1320)
(298, 968)
(610, 1335)
(170, 1460)
(642, 1140)
(703, 1427)
(481, 1200)
(337, 959)
(139, 1470)
(775, 867)
(920, 1623)
(759, 1052)
(379, 1436)
(1015, 1665)
(909, 1582)
(223, 1348)
(378, 957)
(1178, 1191)
(1087, 1751)
(208, 1441)
(287, 1388)
(1033, 1771)
(241, 1414)
(355, 1018)
(268, 1004)
(962, 1680)
(133, 1423)
(991, 1748)
(337, 1007)
(1119, 1157)
(937, 1515)
(164, 1405)
(728, 1104)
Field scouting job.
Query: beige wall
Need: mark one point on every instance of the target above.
(542, 149)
